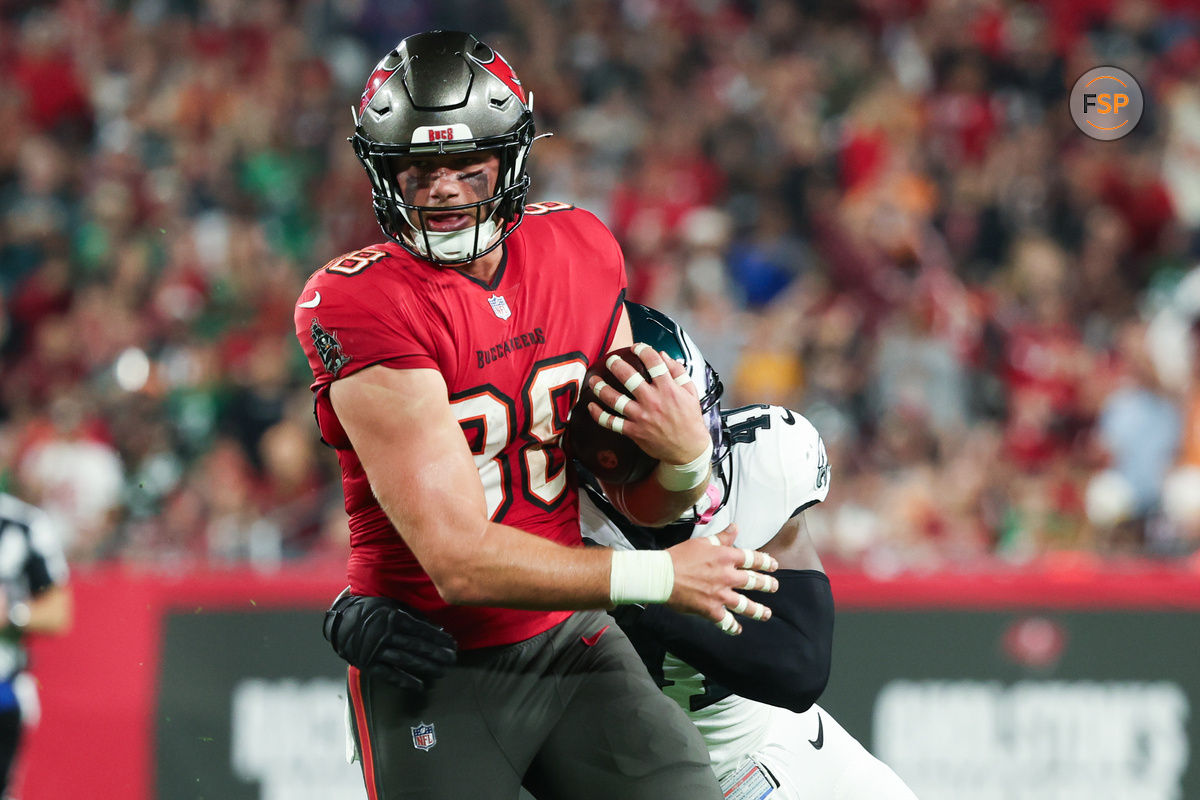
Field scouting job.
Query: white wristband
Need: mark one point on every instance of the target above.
(641, 576)
(684, 477)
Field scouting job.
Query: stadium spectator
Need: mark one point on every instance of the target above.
(921, 156)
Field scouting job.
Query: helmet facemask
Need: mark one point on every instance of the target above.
(406, 223)
(710, 406)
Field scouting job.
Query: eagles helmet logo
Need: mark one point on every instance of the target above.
(822, 465)
(328, 348)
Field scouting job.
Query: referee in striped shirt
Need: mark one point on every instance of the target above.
(34, 599)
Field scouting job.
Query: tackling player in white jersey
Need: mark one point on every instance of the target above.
(752, 697)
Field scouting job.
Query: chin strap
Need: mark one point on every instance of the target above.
(456, 245)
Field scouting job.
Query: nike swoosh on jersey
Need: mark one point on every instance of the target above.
(590, 641)
(316, 301)
(818, 742)
(788, 417)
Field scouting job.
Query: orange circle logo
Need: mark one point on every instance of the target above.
(1106, 103)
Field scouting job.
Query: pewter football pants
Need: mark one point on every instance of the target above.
(568, 719)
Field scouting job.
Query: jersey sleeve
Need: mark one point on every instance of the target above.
(802, 459)
(346, 323)
(778, 468)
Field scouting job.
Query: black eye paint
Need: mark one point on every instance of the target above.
(409, 183)
(413, 179)
(478, 181)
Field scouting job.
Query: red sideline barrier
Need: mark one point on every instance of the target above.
(1051, 585)
(99, 682)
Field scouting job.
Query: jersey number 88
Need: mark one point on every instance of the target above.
(489, 421)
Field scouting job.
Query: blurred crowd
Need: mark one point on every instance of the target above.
(878, 213)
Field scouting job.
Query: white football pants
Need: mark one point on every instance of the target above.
(840, 769)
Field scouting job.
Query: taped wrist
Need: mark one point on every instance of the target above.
(684, 477)
(783, 661)
(641, 576)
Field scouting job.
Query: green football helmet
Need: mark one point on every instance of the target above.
(664, 334)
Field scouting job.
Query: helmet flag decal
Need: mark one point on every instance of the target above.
(377, 79)
(501, 69)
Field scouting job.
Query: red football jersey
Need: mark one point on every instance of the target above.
(513, 354)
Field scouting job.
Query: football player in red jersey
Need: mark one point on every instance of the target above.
(446, 361)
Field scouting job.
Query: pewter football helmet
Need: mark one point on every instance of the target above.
(444, 92)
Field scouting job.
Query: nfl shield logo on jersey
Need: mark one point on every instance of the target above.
(424, 736)
(500, 306)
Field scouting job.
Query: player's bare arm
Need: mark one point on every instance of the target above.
(664, 420)
(793, 547)
(421, 471)
(49, 611)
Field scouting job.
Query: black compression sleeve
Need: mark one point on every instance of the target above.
(783, 661)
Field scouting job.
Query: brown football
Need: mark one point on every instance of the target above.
(609, 456)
